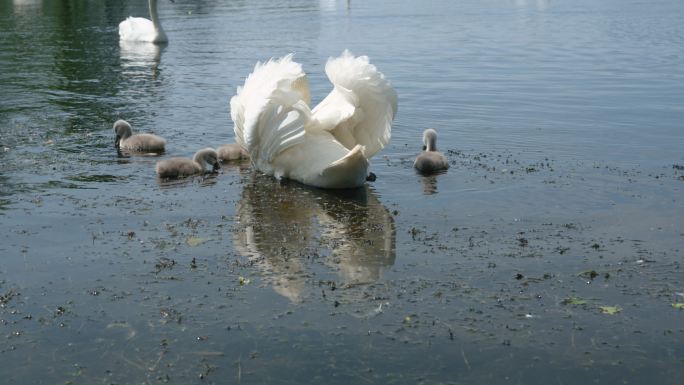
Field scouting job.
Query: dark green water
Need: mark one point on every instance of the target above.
(563, 126)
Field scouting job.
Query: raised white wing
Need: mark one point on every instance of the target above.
(361, 107)
(269, 112)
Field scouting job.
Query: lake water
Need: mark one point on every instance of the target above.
(550, 252)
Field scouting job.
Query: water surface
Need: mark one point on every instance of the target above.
(563, 126)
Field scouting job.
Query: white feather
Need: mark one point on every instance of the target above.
(273, 121)
(362, 105)
(269, 115)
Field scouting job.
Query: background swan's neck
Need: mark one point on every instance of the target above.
(155, 17)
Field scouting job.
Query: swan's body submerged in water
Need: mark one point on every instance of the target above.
(143, 30)
(328, 146)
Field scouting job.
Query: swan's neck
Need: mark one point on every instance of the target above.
(431, 144)
(199, 159)
(155, 18)
(126, 132)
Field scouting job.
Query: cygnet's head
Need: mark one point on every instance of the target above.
(430, 140)
(123, 130)
(209, 156)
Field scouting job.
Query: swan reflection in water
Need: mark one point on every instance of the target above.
(20, 5)
(138, 58)
(286, 228)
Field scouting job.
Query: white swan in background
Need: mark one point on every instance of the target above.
(430, 160)
(328, 146)
(143, 30)
(181, 167)
(141, 143)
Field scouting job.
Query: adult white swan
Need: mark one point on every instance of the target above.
(328, 146)
(143, 30)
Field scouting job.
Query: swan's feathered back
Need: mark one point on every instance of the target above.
(270, 111)
(136, 29)
(361, 107)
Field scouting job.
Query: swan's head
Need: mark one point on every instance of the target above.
(430, 140)
(208, 156)
(122, 130)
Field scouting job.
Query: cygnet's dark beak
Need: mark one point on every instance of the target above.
(216, 167)
(424, 147)
(117, 141)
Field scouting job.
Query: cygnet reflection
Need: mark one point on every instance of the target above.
(289, 231)
(429, 184)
